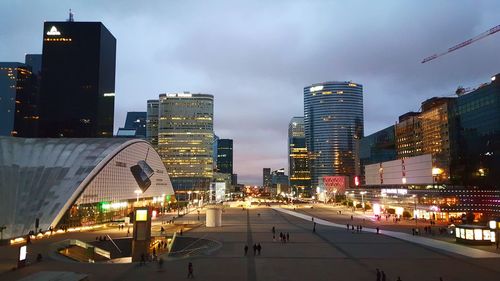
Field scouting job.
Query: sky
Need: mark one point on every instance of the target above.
(256, 57)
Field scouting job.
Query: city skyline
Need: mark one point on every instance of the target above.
(261, 60)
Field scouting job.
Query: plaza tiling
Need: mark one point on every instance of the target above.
(441, 245)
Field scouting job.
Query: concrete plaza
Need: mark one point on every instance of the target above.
(329, 253)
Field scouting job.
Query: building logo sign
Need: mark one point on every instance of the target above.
(53, 31)
(316, 88)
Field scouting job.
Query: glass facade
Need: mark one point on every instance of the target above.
(225, 156)
(152, 122)
(377, 147)
(298, 161)
(185, 139)
(14, 89)
(333, 122)
(78, 87)
(136, 122)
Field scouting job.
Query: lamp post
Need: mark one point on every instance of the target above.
(138, 192)
(363, 199)
(415, 208)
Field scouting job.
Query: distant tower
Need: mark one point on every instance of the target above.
(71, 19)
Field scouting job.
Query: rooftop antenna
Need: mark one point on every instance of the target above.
(71, 19)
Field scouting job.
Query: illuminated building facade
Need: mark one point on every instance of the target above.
(14, 79)
(76, 182)
(377, 147)
(185, 139)
(298, 161)
(266, 177)
(152, 122)
(333, 123)
(78, 87)
(225, 156)
(430, 131)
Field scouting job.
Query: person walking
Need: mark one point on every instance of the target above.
(314, 227)
(347, 227)
(378, 275)
(287, 237)
(190, 270)
(254, 249)
(383, 276)
(259, 248)
(378, 230)
(274, 230)
(246, 249)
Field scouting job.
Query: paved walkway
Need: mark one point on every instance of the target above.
(445, 246)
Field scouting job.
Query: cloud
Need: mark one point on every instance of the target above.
(256, 57)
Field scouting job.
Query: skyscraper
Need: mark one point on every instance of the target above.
(135, 125)
(152, 122)
(225, 156)
(333, 123)
(185, 139)
(78, 85)
(14, 83)
(298, 161)
(266, 177)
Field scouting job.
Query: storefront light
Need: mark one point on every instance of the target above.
(493, 224)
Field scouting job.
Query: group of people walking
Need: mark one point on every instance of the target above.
(359, 228)
(284, 237)
(256, 249)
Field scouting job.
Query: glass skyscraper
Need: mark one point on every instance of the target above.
(152, 122)
(225, 156)
(185, 139)
(333, 123)
(298, 161)
(78, 80)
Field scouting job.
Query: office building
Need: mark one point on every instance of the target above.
(78, 86)
(333, 123)
(266, 177)
(135, 125)
(377, 147)
(225, 156)
(14, 81)
(279, 182)
(185, 139)
(298, 161)
(152, 122)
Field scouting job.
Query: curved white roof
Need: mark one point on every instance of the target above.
(42, 178)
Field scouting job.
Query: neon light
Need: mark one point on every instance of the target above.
(53, 31)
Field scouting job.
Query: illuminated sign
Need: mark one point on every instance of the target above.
(53, 31)
(394, 191)
(141, 215)
(109, 94)
(22, 253)
(179, 95)
(316, 88)
(356, 180)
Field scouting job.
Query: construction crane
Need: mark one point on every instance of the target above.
(463, 44)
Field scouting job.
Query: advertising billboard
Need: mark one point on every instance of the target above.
(413, 170)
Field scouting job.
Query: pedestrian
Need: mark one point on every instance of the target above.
(413, 231)
(128, 231)
(160, 264)
(190, 270)
(254, 249)
(352, 218)
(360, 228)
(314, 227)
(378, 230)
(259, 248)
(274, 237)
(281, 236)
(378, 274)
(246, 249)
(383, 276)
(288, 237)
(181, 231)
(274, 230)
(348, 227)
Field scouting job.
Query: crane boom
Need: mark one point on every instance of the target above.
(489, 32)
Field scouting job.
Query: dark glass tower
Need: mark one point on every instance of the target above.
(298, 161)
(78, 86)
(333, 123)
(225, 156)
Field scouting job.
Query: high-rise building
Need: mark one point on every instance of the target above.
(152, 122)
(279, 182)
(185, 139)
(478, 156)
(16, 90)
(298, 161)
(333, 123)
(135, 125)
(214, 150)
(266, 177)
(225, 156)
(78, 86)
(377, 147)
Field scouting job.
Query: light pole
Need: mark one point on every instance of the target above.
(415, 208)
(363, 199)
(138, 192)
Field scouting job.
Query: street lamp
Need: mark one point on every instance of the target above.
(363, 199)
(138, 192)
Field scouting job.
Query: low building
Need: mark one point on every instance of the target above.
(68, 182)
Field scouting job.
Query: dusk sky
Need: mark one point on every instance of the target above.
(256, 57)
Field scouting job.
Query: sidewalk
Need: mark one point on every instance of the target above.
(445, 246)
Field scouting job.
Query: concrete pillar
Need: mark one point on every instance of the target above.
(214, 217)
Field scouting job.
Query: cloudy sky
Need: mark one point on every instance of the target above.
(256, 57)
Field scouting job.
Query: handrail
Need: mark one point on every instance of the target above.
(110, 239)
